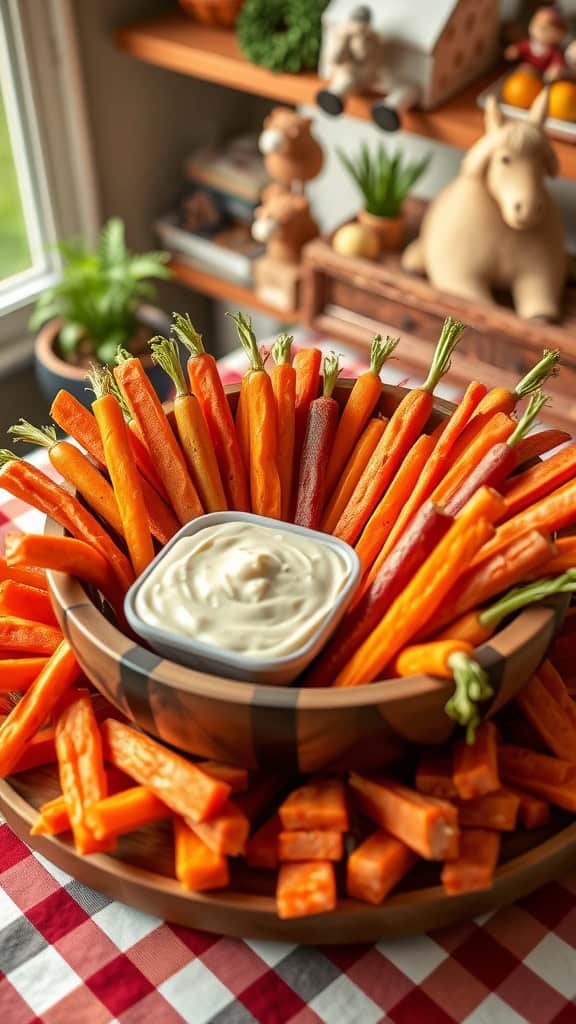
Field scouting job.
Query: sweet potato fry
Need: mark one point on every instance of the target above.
(533, 812)
(376, 866)
(311, 844)
(473, 869)
(517, 763)
(549, 719)
(305, 888)
(319, 803)
(197, 867)
(498, 811)
(476, 764)
(227, 832)
(427, 825)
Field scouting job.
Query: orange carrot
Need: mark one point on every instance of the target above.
(376, 866)
(537, 444)
(52, 819)
(406, 423)
(360, 404)
(123, 812)
(179, 783)
(81, 767)
(283, 377)
(66, 554)
(146, 409)
(192, 429)
(525, 488)
(518, 764)
(473, 868)
(122, 469)
(305, 888)
(476, 764)
(549, 719)
(306, 363)
(22, 573)
(25, 481)
(197, 867)
(313, 844)
(206, 384)
(561, 561)
(359, 458)
(265, 488)
(142, 456)
(427, 825)
(372, 548)
(262, 846)
(23, 636)
(434, 774)
(551, 513)
(560, 794)
(533, 812)
(231, 774)
(496, 431)
(416, 604)
(40, 750)
(498, 811)
(319, 803)
(225, 833)
(22, 601)
(19, 673)
(432, 658)
(53, 815)
(556, 687)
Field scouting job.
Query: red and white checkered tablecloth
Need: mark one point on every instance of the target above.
(69, 955)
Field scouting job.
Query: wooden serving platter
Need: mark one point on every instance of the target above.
(140, 873)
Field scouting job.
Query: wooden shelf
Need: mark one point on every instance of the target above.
(174, 41)
(218, 288)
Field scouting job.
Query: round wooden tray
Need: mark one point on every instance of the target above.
(140, 873)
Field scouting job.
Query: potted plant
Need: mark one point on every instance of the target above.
(96, 306)
(384, 181)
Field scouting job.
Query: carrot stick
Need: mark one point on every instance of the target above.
(283, 377)
(533, 812)
(476, 764)
(242, 423)
(206, 384)
(313, 844)
(25, 481)
(473, 869)
(179, 783)
(561, 561)
(23, 573)
(361, 454)
(306, 363)
(406, 423)
(192, 429)
(265, 488)
(321, 427)
(23, 636)
(373, 548)
(538, 481)
(551, 513)
(123, 812)
(428, 826)
(519, 764)
(81, 767)
(142, 456)
(231, 774)
(549, 719)
(226, 833)
(19, 673)
(376, 866)
(66, 554)
(498, 811)
(305, 888)
(52, 818)
(317, 804)
(262, 846)
(537, 444)
(561, 794)
(197, 867)
(496, 432)
(40, 750)
(556, 687)
(432, 659)
(425, 592)
(359, 407)
(434, 774)
(22, 601)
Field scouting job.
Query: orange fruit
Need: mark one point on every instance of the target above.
(521, 88)
(562, 101)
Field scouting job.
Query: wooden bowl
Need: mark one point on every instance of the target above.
(296, 729)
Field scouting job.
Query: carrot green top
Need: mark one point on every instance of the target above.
(282, 349)
(546, 367)
(248, 340)
(450, 335)
(165, 354)
(537, 402)
(184, 331)
(380, 350)
(27, 433)
(330, 371)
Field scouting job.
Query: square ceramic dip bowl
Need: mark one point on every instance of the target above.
(240, 595)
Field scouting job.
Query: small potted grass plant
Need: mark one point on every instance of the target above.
(97, 306)
(384, 180)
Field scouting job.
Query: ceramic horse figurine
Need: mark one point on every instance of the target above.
(496, 225)
(291, 153)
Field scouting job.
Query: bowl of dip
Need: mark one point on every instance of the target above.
(243, 596)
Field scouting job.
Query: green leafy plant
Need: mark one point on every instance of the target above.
(383, 179)
(99, 294)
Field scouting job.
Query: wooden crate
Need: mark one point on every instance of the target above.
(352, 299)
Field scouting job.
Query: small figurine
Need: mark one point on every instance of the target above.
(541, 51)
(291, 153)
(355, 61)
(285, 224)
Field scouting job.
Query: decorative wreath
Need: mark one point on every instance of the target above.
(282, 35)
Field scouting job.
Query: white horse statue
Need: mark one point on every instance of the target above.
(496, 226)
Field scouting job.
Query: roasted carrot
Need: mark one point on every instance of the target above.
(22, 601)
(496, 431)
(81, 767)
(549, 719)
(23, 573)
(206, 384)
(406, 423)
(420, 598)
(179, 783)
(421, 537)
(537, 444)
(376, 866)
(359, 458)
(262, 846)
(231, 774)
(320, 803)
(498, 811)
(525, 488)
(25, 481)
(66, 554)
(434, 774)
(475, 767)
(283, 377)
(306, 363)
(123, 812)
(518, 764)
(473, 869)
(551, 513)
(197, 867)
(265, 488)
(23, 636)
(427, 825)
(556, 687)
(432, 659)
(19, 673)
(192, 429)
(359, 407)
(372, 548)
(305, 888)
(225, 833)
(311, 844)
(321, 427)
(532, 812)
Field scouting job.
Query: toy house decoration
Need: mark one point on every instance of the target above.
(430, 50)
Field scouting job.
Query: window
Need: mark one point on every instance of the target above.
(46, 177)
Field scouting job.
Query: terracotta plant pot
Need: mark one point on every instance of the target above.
(54, 373)
(213, 12)
(390, 230)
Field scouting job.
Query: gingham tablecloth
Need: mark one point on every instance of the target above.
(69, 955)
